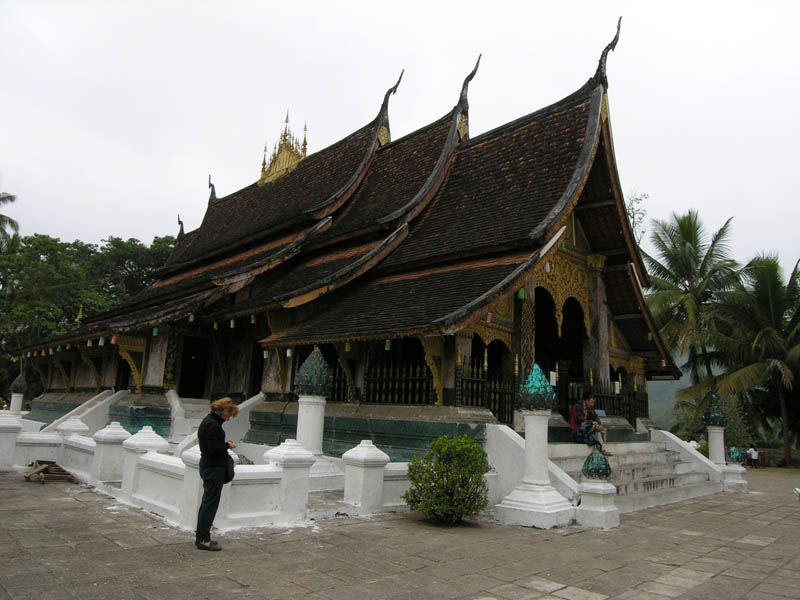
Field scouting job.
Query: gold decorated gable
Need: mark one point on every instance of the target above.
(286, 155)
(565, 276)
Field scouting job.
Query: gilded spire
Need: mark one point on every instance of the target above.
(212, 197)
(287, 154)
(305, 143)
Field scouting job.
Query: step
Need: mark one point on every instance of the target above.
(640, 501)
(621, 461)
(648, 484)
(634, 471)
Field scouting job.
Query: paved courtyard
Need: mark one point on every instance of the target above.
(60, 540)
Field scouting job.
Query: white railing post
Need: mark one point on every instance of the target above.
(363, 477)
(296, 464)
(145, 440)
(9, 429)
(109, 455)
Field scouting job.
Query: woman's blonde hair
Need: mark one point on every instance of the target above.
(225, 406)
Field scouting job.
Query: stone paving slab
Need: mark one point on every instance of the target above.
(65, 541)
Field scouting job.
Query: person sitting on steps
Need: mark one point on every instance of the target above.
(585, 424)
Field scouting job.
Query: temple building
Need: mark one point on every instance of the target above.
(431, 270)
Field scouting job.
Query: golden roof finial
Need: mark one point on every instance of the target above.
(305, 143)
(286, 155)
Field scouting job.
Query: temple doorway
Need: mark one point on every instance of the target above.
(194, 364)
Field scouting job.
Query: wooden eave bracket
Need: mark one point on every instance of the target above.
(127, 345)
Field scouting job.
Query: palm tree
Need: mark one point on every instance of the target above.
(6, 223)
(759, 334)
(687, 275)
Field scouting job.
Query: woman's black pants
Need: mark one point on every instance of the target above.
(213, 480)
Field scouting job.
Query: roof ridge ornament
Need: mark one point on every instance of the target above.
(384, 135)
(213, 195)
(181, 234)
(462, 100)
(286, 155)
(600, 74)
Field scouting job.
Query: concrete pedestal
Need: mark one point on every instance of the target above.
(597, 508)
(716, 444)
(9, 429)
(363, 477)
(734, 479)
(145, 440)
(109, 455)
(310, 423)
(16, 403)
(296, 463)
(534, 502)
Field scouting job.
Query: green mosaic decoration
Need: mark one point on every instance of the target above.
(714, 416)
(18, 386)
(596, 466)
(536, 393)
(314, 376)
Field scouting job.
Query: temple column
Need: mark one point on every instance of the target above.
(595, 348)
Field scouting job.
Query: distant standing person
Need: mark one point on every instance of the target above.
(213, 452)
(753, 455)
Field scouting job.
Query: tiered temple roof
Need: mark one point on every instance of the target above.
(417, 236)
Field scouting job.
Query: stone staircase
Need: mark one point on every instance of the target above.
(644, 473)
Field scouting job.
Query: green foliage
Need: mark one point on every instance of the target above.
(447, 483)
(44, 284)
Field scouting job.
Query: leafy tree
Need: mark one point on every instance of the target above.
(46, 283)
(759, 335)
(687, 275)
(6, 223)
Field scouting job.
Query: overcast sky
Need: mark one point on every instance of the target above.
(113, 114)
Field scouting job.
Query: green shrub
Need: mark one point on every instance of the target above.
(447, 483)
(703, 449)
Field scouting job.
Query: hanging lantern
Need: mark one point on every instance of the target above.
(649, 336)
(101, 341)
(58, 348)
(113, 339)
(252, 319)
(387, 345)
(51, 352)
(347, 346)
(521, 293)
(29, 354)
(43, 352)
(216, 325)
(191, 318)
(89, 343)
(265, 355)
(69, 346)
(233, 323)
(155, 331)
(288, 353)
(663, 363)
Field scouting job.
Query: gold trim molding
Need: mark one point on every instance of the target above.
(567, 278)
(434, 357)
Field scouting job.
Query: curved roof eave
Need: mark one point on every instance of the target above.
(340, 196)
(344, 275)
(574, 188)
(421, 199)
(468, 313)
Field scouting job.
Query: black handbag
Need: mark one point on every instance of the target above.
(229, 470)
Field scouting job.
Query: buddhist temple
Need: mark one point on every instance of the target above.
(432, 271)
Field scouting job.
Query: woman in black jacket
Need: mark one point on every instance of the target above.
(213, 453)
